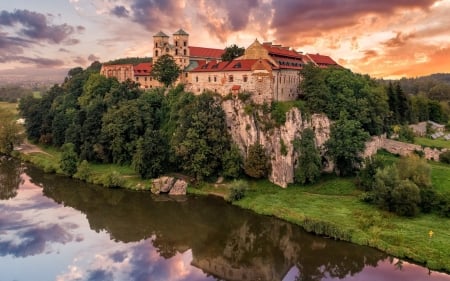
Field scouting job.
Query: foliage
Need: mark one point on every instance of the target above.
(10, 132)
(334, 90)
(366, 176)
(406, 134)
(150, 154)
(69, 159)
(166, 70)
(347, 141)
(13, 93)
(201, 136)
(111, 179)
(232, 52)
(257, 164)
(83, 171)
(404, 187)
(237, 190)
(309, 162)
(445, 157)
(135, 61)
(232, 162)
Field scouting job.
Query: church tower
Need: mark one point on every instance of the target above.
(161, 47)
(181, 48)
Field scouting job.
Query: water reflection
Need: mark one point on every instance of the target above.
(10, 171)
(141, 237)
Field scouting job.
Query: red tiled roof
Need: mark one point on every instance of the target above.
(143, 69)
(321, 59)
(240, 65)
(281, 51)
(235, 87)
(210, 66)
(205, 52)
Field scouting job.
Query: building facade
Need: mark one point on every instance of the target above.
(270, 72)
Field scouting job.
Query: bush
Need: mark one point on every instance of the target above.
(69, 159)
(257, 162)
(445, 157)
(406, 198)
(112, 179)
(442, 202)
(83, 171)
(406, 134)
(237, 190)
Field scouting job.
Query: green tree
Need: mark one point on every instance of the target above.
(10, 133)
(166, 70)
(232, 52)
(406, 198)
(69, 159)
(257, 164)
(150, 155)
(309, 162)
(346, 143)
(201, 136)
(232, 162)
(314, 89)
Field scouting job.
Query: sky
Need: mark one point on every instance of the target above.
(383, 38)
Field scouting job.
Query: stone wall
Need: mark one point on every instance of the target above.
(400, 148)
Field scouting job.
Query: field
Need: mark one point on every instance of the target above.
(438, 143)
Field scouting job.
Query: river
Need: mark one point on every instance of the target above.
(56, 228)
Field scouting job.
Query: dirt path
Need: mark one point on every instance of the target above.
(28, 148)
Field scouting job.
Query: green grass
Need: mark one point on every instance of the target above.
(8, 106)
(438, 143)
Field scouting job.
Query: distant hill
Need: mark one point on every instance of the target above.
(133, 61)
(435, 86)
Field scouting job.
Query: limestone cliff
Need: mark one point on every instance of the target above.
(248, 127)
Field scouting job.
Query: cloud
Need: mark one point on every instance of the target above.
(35, 240)
(100, 275)
(35, 26)
(158, 14)
(399, 40)
(120, 11)
(39, 62)
(93, 57)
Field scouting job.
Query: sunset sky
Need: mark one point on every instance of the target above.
(384, 38)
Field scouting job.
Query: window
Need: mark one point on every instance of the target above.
(230, 78)
(156, 53)
(196, 78)
(176, 52)
(176, 43)
(145, 78)
(156, 45)
(237, 65)
(167, 50)
(209, 78)
(245, 78)
(186, 75)
(215, 78)
(185, 52)
(185, 43)
(137, 78)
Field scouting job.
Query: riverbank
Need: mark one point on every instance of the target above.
(331, 208)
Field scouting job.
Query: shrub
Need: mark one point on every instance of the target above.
(237, 190)
(69, 159)
(445, 157)
(406, 134)
(83, 171)
(257, 162)
(112, 179)
(406, 198)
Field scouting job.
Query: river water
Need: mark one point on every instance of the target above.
(55, 228)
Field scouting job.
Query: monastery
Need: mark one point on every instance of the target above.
(271, 72)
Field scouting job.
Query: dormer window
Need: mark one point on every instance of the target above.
(237, 65)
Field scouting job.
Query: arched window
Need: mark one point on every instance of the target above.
(176, 52)
(156, 53)
(184, 52)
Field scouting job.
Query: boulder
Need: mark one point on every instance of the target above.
(178, 188)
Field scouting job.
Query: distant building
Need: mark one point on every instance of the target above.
(271, 72)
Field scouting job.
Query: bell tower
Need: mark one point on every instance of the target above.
(161, 47)
(181, 48)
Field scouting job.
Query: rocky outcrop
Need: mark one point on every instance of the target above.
(249, 126)
(169, 185)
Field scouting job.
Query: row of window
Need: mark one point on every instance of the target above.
(167, 51)
(165, 44)
(230, 78)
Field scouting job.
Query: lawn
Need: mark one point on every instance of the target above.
(438, 143)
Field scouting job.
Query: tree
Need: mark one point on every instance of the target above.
(346, 143)
(150, 155)
(232, 162)
(256, 164)
(166, 70)
(314, 89)
(309, 161)
(10, 132)
(69, 159)
(201, 137)
(232, 52)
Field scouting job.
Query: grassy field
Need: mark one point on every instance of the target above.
(438, 143)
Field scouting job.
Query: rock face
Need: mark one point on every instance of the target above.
(169, 185)
(248, 128)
